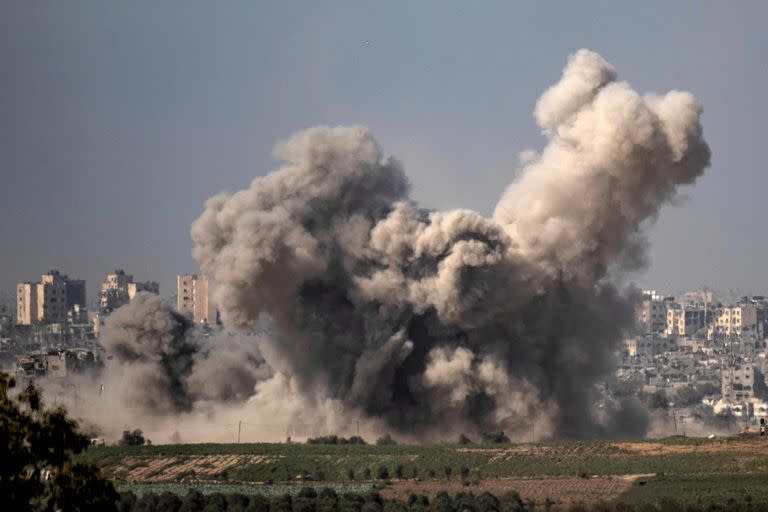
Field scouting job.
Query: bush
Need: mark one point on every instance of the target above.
(385, 440)
(334, 439)
(350, 474)
(448, 470)
(282, 503)
(350, 502)
(497, 437)
(487, 502)
(237, 500)
(168, 502)
(135, 438)
(193, 501)
(258, 503)
(463, 439)
(399, 471)
(511, 501)
(367, 473)
(382, 473)
(442, 503)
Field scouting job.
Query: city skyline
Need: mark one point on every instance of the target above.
(114, 133)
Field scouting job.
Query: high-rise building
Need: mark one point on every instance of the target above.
(49, 301)
(26, 303)
(119, 289)
(194, 298)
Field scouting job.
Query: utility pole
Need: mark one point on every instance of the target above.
(674, 419)
(239, 425)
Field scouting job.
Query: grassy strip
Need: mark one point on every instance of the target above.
(699, 489)
(338, 462)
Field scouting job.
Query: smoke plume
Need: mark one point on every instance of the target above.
(166, 366)
(449, 321)
(423, 323)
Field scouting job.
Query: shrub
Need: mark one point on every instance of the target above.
(135, 438)
(497, 437)
(385, 440)
(511, 501)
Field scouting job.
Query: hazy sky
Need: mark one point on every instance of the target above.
(117, 120)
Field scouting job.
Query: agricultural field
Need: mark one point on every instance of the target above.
(694, 469)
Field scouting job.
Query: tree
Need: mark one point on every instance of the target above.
(487, 502)
(463, 439)
(258, 503)
(497, 437)
(135, 438)
(37, 446)
(386, 439)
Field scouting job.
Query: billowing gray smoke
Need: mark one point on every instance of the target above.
(448, 321)
(431, 322)
(168, 366)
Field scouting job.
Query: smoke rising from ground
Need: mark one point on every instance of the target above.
(442, 321)
(167, 366)
(422, 322)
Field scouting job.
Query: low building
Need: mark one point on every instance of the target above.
(55, 363)
(738, 382)
(646, 346)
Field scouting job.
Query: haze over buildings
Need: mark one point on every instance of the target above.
(132, 115)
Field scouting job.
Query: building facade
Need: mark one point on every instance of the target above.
(684, 320)
(50, 300)
(194, 299)
(120, 288)
(651, 315)
(738, 383)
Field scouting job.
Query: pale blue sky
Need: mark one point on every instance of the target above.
(117, 120)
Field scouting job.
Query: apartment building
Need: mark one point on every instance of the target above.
(651, 314)
(684, 320)
(120, 288)
(194, 299)
(738, 382)
(50, 300)
(737, 319)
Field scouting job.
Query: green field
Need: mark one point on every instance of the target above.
(686, 469)
(703, 489)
